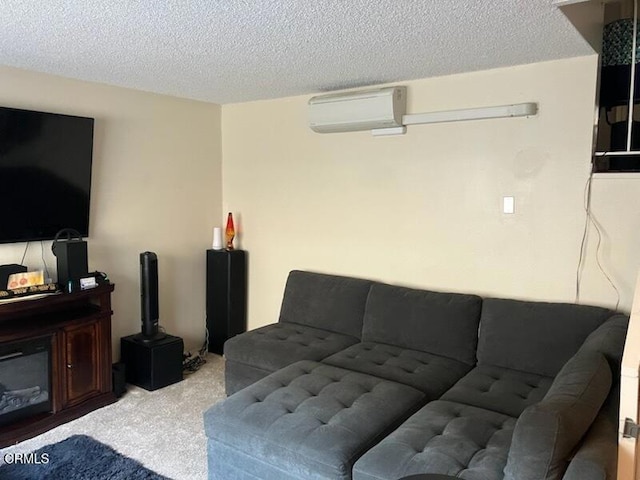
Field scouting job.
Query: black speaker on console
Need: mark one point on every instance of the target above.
(71, 258)
(226, 296)
(149, 305)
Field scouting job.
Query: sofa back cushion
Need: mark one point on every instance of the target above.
(534, 337)
(547, 433)
(443, 324)
(609, 339)
(329, 302)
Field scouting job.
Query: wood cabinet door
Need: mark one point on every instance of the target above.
(82, 362)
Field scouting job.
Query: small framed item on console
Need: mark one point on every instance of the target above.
(87, 283)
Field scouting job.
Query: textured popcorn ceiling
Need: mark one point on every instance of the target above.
(227, 51)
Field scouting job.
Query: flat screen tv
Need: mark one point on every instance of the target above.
(45, 174)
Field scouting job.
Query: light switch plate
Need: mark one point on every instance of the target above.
(508, 205)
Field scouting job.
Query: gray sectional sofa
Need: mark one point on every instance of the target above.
(367, 381)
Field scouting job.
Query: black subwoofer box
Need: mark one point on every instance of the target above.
(226, 296)
(152, 364)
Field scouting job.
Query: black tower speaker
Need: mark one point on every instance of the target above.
(149, 309)
(71, 258)
(226, 296)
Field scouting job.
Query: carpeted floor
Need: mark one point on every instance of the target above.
(162, 429)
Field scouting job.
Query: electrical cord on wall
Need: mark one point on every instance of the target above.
(46, 268)
(590, 219)
(24, 254)
(586, 195)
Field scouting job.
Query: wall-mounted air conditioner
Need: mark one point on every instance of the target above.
(382, 110)
(353, 111)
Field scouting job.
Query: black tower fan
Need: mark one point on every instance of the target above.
(149, 297)
(152, 359)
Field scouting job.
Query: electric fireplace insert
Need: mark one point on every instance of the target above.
(25, 379)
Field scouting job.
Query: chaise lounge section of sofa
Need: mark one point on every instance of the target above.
(320, 315)
(370, 381)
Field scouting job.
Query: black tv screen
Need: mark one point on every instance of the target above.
(45, 174)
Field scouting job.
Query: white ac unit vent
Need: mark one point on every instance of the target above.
(353, 111)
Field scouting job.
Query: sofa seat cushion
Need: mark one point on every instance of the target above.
(499, 389)
(442, 437)
(309, 420)
(280, 344)
(429, 373)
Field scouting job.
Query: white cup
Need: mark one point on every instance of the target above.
(217, 238)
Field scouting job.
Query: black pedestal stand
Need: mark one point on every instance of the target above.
(226, 296)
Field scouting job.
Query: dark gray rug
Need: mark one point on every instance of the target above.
(77, 458)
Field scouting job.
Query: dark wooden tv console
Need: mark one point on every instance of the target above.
(79, 327)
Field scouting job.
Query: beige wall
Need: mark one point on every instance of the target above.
(421, 209)
(424, 209)
(155, 186)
